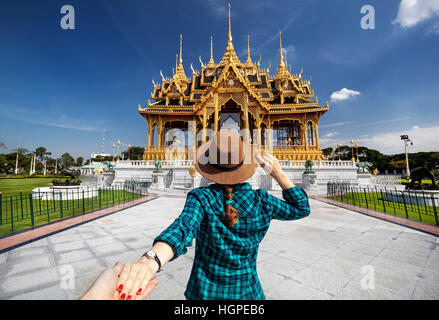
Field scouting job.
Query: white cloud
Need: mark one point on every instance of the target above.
(424, 139)
(329, 134)
(343, 94)
(413, 12)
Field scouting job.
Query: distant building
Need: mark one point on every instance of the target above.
(95, 155)
(94, 168)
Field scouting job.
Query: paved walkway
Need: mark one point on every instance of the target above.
(324, 256)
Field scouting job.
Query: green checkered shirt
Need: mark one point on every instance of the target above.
(225, 258)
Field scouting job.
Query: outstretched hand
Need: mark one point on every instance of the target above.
(135, 278)
(104, 288)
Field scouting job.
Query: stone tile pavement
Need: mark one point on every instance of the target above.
(325, 256)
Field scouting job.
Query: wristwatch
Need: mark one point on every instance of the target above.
(152, 255)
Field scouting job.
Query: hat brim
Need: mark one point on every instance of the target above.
(212, 173)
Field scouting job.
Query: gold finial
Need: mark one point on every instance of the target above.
(281, 56)
(248, 47)
(201, 62)
(161, 74)
(181, 45)
(249, 62)
(211, 63)
(230, 26)
(176, 60)
(211, 48)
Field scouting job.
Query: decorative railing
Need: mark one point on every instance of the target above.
(187, 163)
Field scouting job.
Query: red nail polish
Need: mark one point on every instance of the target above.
(130, 297)
(139, 291)
(122, 296)
(120, 287)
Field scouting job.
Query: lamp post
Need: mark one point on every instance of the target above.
(118, 150)
(114, 146)
(356, 145)
(16, 164)
(338, 145)
(129, 148)
(406, 140)
(332, 153)
(352, 144)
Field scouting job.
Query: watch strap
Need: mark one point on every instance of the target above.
(154, 257)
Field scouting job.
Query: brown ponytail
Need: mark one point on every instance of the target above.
(231, 213)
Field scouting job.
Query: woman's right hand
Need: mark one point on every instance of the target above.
(270, 164)
(135, 277)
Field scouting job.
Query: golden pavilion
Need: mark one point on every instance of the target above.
(232, 94)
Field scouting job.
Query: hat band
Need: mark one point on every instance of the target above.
(225, 168)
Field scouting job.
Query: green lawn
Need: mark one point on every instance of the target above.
(13, 186)
(374, 201)
(27, 213)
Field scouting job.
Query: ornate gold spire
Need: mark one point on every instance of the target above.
(230, 53)
(282, 71)
(230, 26)
(211, 63)
(249, 62)
(179, 72)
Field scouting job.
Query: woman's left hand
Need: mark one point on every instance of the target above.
(135, 277)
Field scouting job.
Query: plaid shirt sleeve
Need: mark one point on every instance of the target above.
(294, 207)
(180, 233)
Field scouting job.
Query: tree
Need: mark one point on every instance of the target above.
(21, 150)
(79, 161)
(66, 161)
(41, 153)
(136, 153)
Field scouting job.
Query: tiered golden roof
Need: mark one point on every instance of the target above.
(263, 99)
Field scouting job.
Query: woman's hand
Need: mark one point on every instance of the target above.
(135, 277)
(271, 166)
(104, 288)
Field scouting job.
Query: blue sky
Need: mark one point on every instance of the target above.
(61, 88)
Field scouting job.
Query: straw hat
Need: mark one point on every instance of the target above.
(225, 159)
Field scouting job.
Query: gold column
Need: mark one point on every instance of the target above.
(149, 136)
(268, 132)
(306, 136)
(317, 135)
(161, 139)
(216, 117)
(204, 125)
(246, 126)
(258, 131)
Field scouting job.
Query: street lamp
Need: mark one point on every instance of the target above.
(406, 140)
(129, 148)
(352, 143)
(338, 145)
(114, 146)
(356, 146)
(118, 150)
